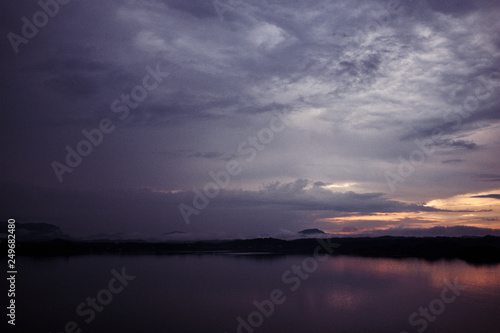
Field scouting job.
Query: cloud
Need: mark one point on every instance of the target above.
(460, 144)
(457, 160)
(438, 231)
(200, 9)
(349, 229)
(276, 206)
(210, 155)
(489, 177)
(492, 196)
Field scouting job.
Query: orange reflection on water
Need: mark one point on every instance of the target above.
(434, 273)
(343, 299)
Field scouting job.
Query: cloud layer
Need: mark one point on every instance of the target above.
(388, 106)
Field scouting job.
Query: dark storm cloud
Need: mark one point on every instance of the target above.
(452, 161)
(299, 195)
(280, 206)
(460, 144)
(358, 82)
(492, 196)
(489, 177)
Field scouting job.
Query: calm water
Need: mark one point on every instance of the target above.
(208, 293)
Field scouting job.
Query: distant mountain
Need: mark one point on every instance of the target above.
(312, 232)
(35, 231)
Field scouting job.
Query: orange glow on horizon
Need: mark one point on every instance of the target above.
(464, 210)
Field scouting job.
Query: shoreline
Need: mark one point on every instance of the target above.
(475, 250)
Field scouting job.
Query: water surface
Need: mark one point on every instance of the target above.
(207, 293)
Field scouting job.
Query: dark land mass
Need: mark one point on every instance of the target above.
(311, 232)
(480, 250)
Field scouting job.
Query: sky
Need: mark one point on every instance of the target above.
(250, 118)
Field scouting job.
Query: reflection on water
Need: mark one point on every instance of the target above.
(209, 293)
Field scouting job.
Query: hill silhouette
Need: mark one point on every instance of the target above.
(311, 232)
